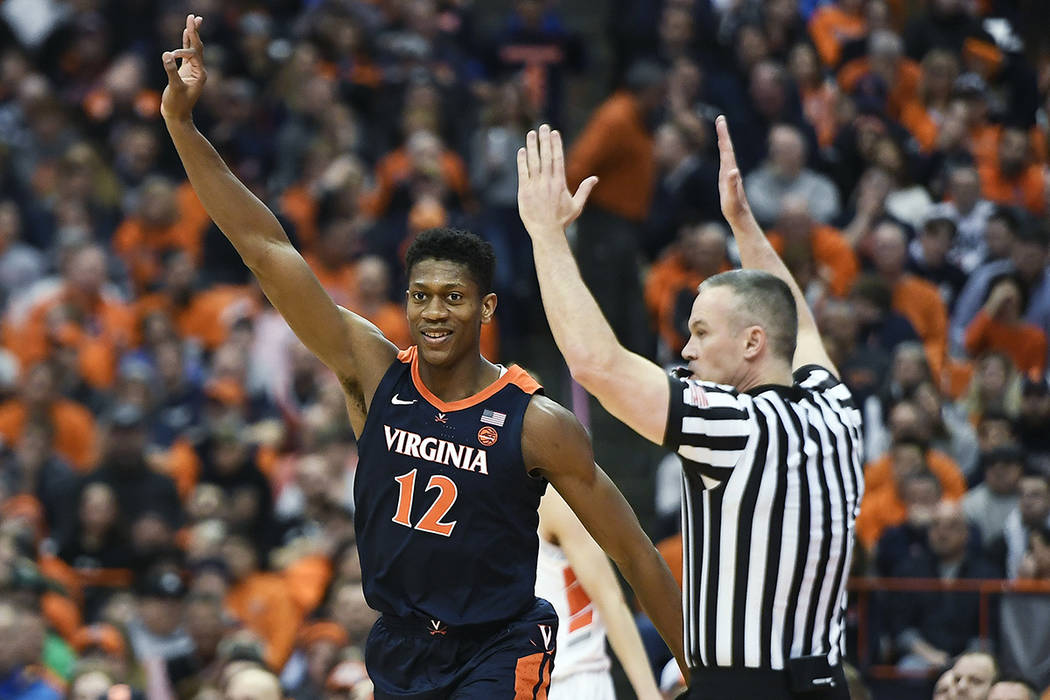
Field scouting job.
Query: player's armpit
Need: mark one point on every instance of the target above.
(347, 344)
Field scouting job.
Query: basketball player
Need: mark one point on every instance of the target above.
(575, 576)
(455, 452)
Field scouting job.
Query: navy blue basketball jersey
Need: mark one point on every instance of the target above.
(445, 511)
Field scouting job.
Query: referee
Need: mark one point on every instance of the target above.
(769, 437)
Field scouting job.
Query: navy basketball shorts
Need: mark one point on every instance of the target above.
(419, 659)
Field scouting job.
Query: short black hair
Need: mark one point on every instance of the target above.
(766, 300)
(458, 246)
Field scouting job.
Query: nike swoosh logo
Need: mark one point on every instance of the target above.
(398, 402)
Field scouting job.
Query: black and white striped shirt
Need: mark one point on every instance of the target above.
(772, 483)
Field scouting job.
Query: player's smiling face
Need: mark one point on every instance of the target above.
(446, 310)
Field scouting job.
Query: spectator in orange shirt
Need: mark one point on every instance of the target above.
(672, 281)
(332, 259)
(833, 25)
(616, 146)
(372, 300)
(885, 63)
(883, 505)
(38, 401)
(924, 115)
(830, 257)
(819, 94)
(1014, 179)
(999, 327)
(423, 157)
(915, 298)
(154, 229)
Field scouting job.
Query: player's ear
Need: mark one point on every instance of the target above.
(488, 307)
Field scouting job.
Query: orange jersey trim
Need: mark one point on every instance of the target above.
(532, 677)
(514, 375)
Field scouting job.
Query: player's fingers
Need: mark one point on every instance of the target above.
(580, 198)
(533, 150)
(193, 23)
(557, 157)
(545, 148)
(725, 143)
(523, 166)
(170, 67)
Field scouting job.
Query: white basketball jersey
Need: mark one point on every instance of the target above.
(581, 633)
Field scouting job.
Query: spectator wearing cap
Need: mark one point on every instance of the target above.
(156, 631)
(929, 255)
(1015, 179)
(1032, 512)
(785, 174)
(140, 489)
(998, 327)
(971, 213)
(616, 146)
(1028, 258)
(988, 504)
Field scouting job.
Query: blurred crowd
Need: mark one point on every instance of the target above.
(176, 469)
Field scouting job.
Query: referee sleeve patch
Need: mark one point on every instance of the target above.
(706, 420)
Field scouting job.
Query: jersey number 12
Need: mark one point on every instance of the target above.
(431, 520)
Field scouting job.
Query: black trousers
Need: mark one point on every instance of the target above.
(747, 683)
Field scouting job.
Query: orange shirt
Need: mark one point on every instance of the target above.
(617, 147)
(830, 28)
(832, 252)
(905, 87)
(301, 209)
(73, 425)
(391, 320)
(396, 167)
(818, 105)
(208, 316)
(1027, 190)
(140, 246)
(921, 303)
(1024, 343)
(920, 123)
(882, 506)
(667, 278)
(340, 283)
(265, 605)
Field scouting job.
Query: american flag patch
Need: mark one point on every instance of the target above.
(699, 395)
(493, 418)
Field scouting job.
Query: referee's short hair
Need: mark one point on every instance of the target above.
(766, 301)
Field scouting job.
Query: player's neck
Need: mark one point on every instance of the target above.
(460, 380)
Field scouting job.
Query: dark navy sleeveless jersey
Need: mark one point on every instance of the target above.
(445, 511)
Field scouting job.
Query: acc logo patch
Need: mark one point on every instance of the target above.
(487, 436)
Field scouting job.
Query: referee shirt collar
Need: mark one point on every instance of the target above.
(785, 391)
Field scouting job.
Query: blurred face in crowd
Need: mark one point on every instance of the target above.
(90, 686)
(945, 687)
(999, 238)
(676, 27)
(974, 675)
(964, 186)
(98, 509)
(126, 446)
(787, 150)
(921, 494)
(939, 70)
(838, 322)
(350, 610)
(1003, 476)
(767, 89)
(751, 47)
(908, 461)
(320, 658)
(1030, 258)
(794, 221)
(906, 419)
(669, 146)
(1009, 311)
(948, 532)
(994, 431)
(803, 64)
(704, 248)
(890, 250)
(373, 279)
(253, 684)
(240, 557)
(1007, 690)
(936, 241)
(1013, 151)
(86, 270)
(205, 625)
(1035, 500)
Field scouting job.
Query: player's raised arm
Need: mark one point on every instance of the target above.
(353, 348)
(756, 252)
(555, 444)
(596, 575)
(629, 386)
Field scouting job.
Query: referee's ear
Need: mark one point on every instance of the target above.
(756, 340)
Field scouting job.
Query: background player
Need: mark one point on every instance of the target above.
(575, 576)
(447, 537)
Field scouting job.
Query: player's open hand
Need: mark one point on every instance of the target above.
(544, 202)
(186, 82)
(735, 207)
